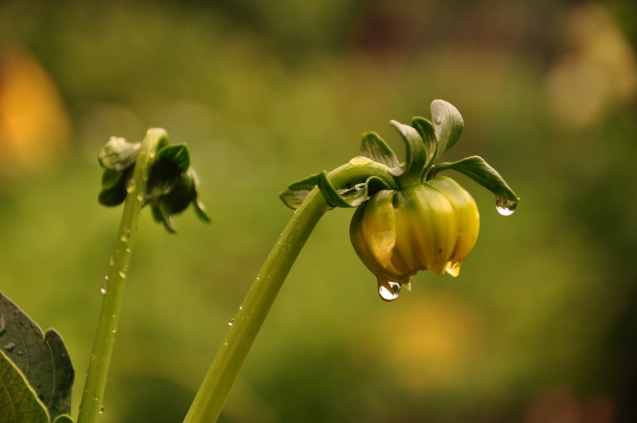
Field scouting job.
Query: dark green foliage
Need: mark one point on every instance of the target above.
(41, 358)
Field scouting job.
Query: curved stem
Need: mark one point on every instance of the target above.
(113, 289)
(231, 355)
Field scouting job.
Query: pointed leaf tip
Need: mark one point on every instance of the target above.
(375, 148)
(476, 168)
(448, 125)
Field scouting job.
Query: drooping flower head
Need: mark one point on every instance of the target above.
(408, 217)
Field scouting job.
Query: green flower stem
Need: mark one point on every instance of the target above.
(112, 301)
(223, 372)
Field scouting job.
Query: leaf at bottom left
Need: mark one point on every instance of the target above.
(18, 401)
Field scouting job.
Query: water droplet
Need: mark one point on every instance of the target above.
(9, 347)
(101, 409)
(230, 322)
(20, 353)
(106, 277)
(124, 237)
(103, 288)
(240, 307)
(140, 196)
(122, 273)
(225, 342)
(130, 185)
(388, 295)
(437, 120)
(152, 155)
(111, 261)
(505, 207)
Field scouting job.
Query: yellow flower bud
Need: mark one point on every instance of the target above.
(431, 226)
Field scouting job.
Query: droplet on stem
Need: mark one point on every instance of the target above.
(130, 186)
(103, 288)
(230, 322)
(388, 295)
(505, 207)
(101, 409)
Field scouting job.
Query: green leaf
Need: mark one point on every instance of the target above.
(448, 125)
(164, 175)
(428, 135)
(200, 211)
(375, 148)
(177, 154)
(18, 401)
(42, 358)
(113, 191)
(294, 195)
(477, 169)
(63, 419)
(118, 154)
(416, 155)
(349, 197)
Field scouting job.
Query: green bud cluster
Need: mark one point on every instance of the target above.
(171, 186)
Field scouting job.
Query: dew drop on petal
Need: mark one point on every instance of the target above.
(388, 295)
(230, 322)
(437, 120)
(505, 207)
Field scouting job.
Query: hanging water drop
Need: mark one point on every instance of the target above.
(111, 261)
(505, 207)
(230, 322)
(388, 295)
(140, 196)
(122, 273)
(101, 409)
(103, 288)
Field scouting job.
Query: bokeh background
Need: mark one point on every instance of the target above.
(541, 325)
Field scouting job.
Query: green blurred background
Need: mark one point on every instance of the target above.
(541, 325)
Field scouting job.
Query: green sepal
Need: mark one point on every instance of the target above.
(428, 135)
(294, 195)
(200, 211)
(41, 358)
(18, 401)
(162, 178)
(118, 154)
(182, 193)
(480, 171)
(416, 155)
(177, 154)
(113, 191)
(448, 125)
(65, 418)
(349, 197)
(375, 148)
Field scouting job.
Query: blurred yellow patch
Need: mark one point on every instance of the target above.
(597, 72)
(434, 344)
(34, 124)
